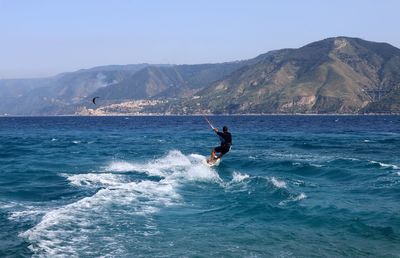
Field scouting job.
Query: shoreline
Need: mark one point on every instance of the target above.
(194, 115)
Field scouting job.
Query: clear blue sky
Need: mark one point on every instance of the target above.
(46, 37)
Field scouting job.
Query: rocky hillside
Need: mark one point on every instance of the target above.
(55, 95)
(155, 82)
(335, 75)
(68, 93)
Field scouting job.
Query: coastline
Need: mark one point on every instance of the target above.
(194, 115)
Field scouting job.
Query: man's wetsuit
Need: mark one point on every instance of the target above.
(226, 142)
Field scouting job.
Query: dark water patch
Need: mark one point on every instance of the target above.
(345, 220)
(297, 168)
(344, 162)
(317, 146)
(339, 175)
(372, 232)
(11, 245)
(390, 140)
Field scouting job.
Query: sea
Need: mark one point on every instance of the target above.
(138, 186)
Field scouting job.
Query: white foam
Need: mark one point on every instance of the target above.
(298, 182)
(173, 162)
(76, 142)
(351, 159)
(53, 139)
(238, 177)
(300, 157)
(26, 214)
(278, 183)
(316, 165)
(384, 165)
(296, 198)
(300, 197)
(22, 211)
(8, 205)
(191, 167)
(174, 165)
(93, 179)
(398, 173)
(367, 141)
(122, 166)
(66, 231)
(336, 158)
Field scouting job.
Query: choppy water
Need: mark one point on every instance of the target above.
(302, 186)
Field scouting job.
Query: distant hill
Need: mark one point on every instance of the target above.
(55, 94)
(12, 92)
(68, 92)
(167, 81)
(335, 75)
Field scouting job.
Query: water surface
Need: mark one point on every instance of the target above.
(292, 186)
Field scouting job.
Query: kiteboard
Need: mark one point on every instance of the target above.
(213, 163)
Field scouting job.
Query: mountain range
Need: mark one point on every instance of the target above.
(334, 75)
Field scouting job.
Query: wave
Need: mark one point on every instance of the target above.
(123, 199)
(278, 183)
(27, 214)
(297, 160)
(309, 161)
(299, 156)
(69, 226)
(367, 141)
(271, 187)
(294, 198)
(384, 165)
(343, 160)
(65, 231)
(317, 146)
(174, 165)
(122, 166)
(238, 177)
(93, 179)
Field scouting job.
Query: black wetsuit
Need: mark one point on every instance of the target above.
(226, 142)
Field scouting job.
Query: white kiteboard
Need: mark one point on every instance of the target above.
(214, 163)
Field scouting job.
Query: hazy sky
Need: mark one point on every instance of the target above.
(42, 38)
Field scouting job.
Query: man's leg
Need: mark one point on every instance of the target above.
(212, 156)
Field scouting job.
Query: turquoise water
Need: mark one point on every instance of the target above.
(292, 186)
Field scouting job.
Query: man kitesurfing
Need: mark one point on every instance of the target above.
(226, 142)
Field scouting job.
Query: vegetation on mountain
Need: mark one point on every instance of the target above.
(334, 75)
